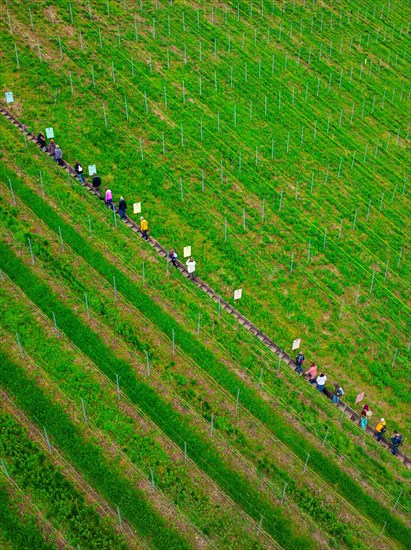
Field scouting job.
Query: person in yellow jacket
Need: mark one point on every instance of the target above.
(381, 428)
(144, 227)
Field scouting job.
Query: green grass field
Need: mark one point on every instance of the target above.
(272, 138)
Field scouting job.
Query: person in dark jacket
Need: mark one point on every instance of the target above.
(173, 257)
(122, 207)
(79, 171)
(396, 441)
(299, 360)
(41, 140)
(96, 183)
(337, 393)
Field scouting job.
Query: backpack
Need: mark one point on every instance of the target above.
(340, 392)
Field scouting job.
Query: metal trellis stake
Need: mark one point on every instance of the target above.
(48, 441)
(86, 300)
(306, 462)
(84, 410)
(61, 239)
(20, 346)
(55, 324)
(12, 193)
(115, 288)
(283, 495)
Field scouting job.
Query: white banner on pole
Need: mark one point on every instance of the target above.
(187, 251)
(296, 343)
(49, 133)
(238, 293)
(9, 97)
(92, 169)
(137, 207)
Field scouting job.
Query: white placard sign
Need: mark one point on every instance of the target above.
(296, 343)
(137, 207)
(187, 251)
(9, 97)
(92, 169)
(49, 133)
(238, 293)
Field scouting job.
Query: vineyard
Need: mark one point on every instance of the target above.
(272, 138)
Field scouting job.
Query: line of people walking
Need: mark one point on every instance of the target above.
(57, 154)
(311, 374)
(55, 151)
(337, 393)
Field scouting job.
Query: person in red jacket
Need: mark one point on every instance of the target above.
(365, 415)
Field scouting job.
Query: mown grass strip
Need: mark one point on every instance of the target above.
(93, 347)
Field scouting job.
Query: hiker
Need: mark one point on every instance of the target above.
(396, 441)
(41, 140)
(381, 428)
(312, 373)
(191, 267)
(366, 414)
(299, 360)
(321, 380)
(96, 182)
(79, 171)
(144, 227)
(337, 393)
(108, 199)
(51, 148)
(122, 207)
(58, 155)
(173, 257)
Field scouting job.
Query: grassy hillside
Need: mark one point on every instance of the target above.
(273, 139)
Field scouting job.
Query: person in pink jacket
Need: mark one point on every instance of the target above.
(312, 373)
(108, 199)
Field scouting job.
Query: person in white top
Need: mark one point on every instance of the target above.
(321, 380)
(191, 267)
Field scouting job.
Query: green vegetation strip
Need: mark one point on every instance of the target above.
(180, 290)
(61, 266)
(88, 458)
(91, 345)
(172, 479)
(29, 466)
(20, 531)
(227, 527)
(173, 424)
